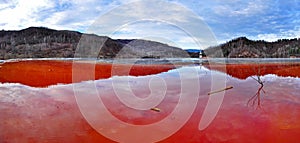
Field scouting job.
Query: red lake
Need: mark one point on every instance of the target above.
(64, 101)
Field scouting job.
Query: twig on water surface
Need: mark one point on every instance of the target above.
(155, 109)
(217, 91)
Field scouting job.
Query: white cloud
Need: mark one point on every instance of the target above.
(271, 37)
(166, 19)
(22, 13)
(158, 31)
(239, 8)
(77, 15)
(6, 4)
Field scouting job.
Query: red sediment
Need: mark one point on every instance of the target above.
(243, 71)
(42, 73)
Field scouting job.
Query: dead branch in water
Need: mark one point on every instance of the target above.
(258, 80)
(155, 109)
(217, 91)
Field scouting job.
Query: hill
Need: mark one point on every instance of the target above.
(244, 48)
(41, 42)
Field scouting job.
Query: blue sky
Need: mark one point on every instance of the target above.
(227, 19)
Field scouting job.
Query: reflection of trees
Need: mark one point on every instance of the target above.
(256, 97)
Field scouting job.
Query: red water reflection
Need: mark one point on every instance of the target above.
(42, 73)
(51, 115)
(242, 71)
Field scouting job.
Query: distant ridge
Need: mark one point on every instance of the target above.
(42, 42)
(242, 47)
